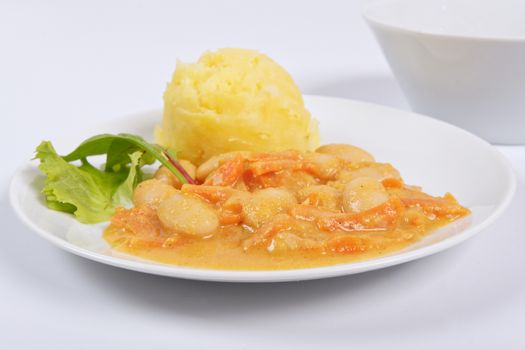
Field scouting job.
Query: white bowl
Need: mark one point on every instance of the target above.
(459, 60)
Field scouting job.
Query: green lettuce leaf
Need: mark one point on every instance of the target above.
(124, 192)
(119, 147)
(90, 194)
(93, 194)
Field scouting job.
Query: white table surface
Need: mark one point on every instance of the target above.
(66, 64)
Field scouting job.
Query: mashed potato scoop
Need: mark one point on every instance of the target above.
(231, 100)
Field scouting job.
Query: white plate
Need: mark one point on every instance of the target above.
(428, 152)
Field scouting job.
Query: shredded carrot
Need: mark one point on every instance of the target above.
(227, 174)
(212, 194)
(382, 217)
(268, 230)
(393, 183)
(441, 207)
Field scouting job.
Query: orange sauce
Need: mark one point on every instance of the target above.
(319, 227)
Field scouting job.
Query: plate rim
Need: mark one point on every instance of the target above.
(255, 276)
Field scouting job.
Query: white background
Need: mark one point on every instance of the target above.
(68, 64)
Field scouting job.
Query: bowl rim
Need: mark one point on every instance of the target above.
(367, 6)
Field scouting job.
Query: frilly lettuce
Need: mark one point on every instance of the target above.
(89, 193)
